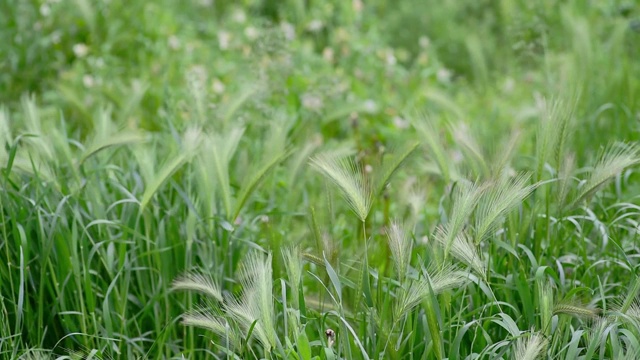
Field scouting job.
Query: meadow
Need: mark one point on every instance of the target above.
(302, 180)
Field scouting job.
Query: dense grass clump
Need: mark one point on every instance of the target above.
(319, 180)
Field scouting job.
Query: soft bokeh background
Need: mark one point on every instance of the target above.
(120, 116)
(482, 61)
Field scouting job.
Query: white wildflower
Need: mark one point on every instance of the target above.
(192, 138)
(80, 50)
(251, 33)
(370, 106)
(239, 16)
(424, 42)
(400, 123)
(217, 86)
(224, 38)
(357, 5)
(311, 101)
(45, 10)
(391, 59)
(56, 36)
(174, 42)
(88, 81)
(315, 25)
(443, 75)
(327, 54)
(509, 85)
(288, 30)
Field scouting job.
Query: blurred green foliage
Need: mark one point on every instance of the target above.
(82, 76)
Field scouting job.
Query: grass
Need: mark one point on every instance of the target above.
(336, 180)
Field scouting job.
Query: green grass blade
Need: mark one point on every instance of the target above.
(254, 180)
(120, 139)
(163, 175)
(391, 165)
(350, 179)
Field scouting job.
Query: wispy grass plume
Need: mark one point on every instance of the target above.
(200, 283)
(400, 246)
(463, 249)
(430, 136)
(631, 315)
(501, 159)
(471, 149)
(350, 179)
(501, 196)
(552, 132)
(576, 310)
(530, 348)
(438, 280)
(222, 147)
(596, 336)
(156, 180)
(611, 162)
(273, 153)
(105, 137)
(293, 267)
(447, 278)
(564, 178)
(632, 295)
(392, 164)
(244, 94)
(464, 202)
(256, 302)
(219, 326)
(545, 304)
(252, 310)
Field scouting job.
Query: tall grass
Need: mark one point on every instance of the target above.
(179, 180)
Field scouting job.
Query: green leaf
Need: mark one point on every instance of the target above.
(391, 165)
(255, 178)
(334, 278)
(304, 349)
(161, 178)
(347, 175)
(113, 140)
(432, 311)
(612, 161)
(329, 354)
(431, 137)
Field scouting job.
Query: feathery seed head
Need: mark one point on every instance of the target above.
(436, 280)
(530, 348)
(400, 246)
(350, 179)
(198, 282)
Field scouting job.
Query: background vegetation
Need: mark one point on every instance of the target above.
(213, 179)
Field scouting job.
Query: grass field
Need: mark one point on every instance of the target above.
(291, 179)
